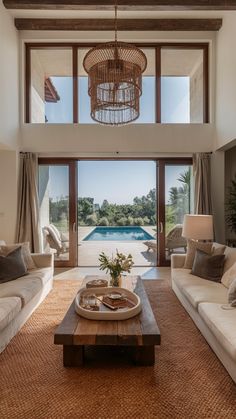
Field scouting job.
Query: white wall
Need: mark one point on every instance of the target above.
(9, 80)
(9, 123)
(8, 194)
(137, 139)
(226, 81)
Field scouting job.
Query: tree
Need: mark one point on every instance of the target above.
(85, 208)
(122, 221)
(138, 221)
(91, 219)
(179, 197)
(103, 222)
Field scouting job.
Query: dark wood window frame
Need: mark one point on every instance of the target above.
(161, 162)
(157, 46)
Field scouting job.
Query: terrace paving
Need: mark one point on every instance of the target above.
(88, 251)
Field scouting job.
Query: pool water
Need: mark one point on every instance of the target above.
(118, 234)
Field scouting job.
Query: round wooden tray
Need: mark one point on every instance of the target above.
(105, 313)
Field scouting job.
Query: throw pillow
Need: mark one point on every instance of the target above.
(26, 255)
(220, 250)
(192, 246)
(229, 276)
(232, 292)
(208, 266)
(12, 266)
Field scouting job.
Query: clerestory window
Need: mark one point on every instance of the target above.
(174, 84)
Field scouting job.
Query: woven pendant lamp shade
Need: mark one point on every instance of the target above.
(115, 82)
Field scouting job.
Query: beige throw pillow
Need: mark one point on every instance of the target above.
(218, 250)
(232, 292)
(192, 246)
(25, 251)
(229, 276)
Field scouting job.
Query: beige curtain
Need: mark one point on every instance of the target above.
(202, 183)
(28, 225)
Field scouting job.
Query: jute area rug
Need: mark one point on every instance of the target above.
(187, 381)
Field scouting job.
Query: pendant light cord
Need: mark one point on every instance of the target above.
(115, 20)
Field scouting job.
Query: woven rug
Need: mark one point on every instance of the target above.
(187, 380)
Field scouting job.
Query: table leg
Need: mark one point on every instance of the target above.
(73, 356)
(143, 355)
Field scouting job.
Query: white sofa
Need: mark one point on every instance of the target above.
(203, 301)
(20, 297)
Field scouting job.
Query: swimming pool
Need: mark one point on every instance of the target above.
(118, 234)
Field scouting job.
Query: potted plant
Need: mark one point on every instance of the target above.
(115, 266)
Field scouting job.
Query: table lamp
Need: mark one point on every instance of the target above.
(198, 227)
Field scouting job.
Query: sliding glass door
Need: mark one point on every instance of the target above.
(58, 210)
(134, 206)
(117, 210)
(175, 200)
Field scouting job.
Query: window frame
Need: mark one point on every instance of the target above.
(204, 46)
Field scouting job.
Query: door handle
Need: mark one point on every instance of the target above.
(74, 227)
(161, 228)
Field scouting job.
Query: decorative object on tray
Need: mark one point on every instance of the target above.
(96, 283)
(107, 303)
(115, 266)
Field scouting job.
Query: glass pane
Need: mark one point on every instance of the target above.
(147, 100)
(181, 86)
(178, 201)
(84, 98)
(51, 86)
(117, 210)
(54, 209)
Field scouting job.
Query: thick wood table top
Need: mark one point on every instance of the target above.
(139, 330)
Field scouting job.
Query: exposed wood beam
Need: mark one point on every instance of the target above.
(123, 24)
(122, 4)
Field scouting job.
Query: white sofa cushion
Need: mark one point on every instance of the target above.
(9, 308)
(198, 290)
(24, 288)
(229, 276)
(230, 253)
(222, 324)
(44, 274)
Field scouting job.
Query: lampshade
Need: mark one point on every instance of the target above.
(115, 80)
(198, 227)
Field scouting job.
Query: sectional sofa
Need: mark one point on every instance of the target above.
(19, 298)
(203, 301)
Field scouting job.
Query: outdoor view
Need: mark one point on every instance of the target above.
(116, 209)
(51, 99)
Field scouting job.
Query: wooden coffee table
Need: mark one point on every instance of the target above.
(138, 335)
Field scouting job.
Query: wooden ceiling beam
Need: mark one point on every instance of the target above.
(122, 4)
(123, 24)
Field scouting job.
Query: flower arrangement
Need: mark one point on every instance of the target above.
(115, 265)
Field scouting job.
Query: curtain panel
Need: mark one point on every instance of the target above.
(28, 219)
(202, 183)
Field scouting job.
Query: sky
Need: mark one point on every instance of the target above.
(175, 104)
(117, 181)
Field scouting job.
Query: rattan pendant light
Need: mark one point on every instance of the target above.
(115, 81)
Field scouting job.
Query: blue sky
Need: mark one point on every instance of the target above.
(175, 101)
(117, 181)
